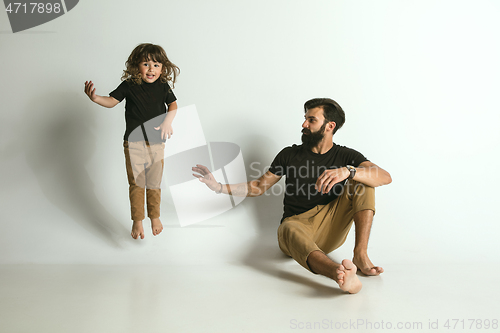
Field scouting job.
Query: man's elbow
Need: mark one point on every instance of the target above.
(388, 179)
(383, 179)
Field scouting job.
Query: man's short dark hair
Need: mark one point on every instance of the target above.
(331, 110)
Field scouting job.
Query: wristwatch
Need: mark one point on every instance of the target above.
(352, 171)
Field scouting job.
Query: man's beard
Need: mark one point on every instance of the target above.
(310, 140)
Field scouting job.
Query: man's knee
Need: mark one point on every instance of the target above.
(289, 232)
(355, 188)
(288, 228)
(284, 231)
(362, 196)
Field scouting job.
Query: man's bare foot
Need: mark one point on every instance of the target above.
(347, 278)
(156, 226)
(344, 274)
(137, 230)
(365, 266)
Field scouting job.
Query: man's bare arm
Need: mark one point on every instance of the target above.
(367, 173)
(252, 188)
(372, 175)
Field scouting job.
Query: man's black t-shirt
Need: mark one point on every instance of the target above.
(302, 168)
(144, 103)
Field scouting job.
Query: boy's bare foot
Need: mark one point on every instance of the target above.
(347, 278)
(137, 230)
(156, 226)
(365, 265)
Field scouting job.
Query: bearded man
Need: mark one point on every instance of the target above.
(328, 187)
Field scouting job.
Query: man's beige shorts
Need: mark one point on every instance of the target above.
(325, 227)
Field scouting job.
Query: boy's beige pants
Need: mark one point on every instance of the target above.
(324, 227)
(144, 171)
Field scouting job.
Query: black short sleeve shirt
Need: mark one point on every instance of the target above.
(145, 105)
(302, 167)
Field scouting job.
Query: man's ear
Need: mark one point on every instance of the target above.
(332, 125)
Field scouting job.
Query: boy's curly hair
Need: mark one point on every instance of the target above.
(146, 52)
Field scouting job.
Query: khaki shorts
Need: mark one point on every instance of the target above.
(324, 227)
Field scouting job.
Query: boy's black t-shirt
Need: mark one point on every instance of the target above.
(302, 168)
(145, 105)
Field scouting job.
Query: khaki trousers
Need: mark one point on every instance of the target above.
(324, 227)
(144, 164)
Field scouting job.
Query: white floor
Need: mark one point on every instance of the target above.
(275, 295)
(81, 272)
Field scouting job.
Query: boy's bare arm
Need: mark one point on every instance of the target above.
(166, 126)
(106, 101)
(253, 188)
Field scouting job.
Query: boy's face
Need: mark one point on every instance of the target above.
(150, 70)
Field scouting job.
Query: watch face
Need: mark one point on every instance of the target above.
(352, 171)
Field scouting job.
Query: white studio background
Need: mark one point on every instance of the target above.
(418, 81)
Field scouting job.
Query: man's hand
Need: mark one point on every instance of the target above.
(166, 130)
(329, 178)
(90, 90)
(205, 176)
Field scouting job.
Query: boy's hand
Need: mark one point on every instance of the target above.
(106, 101)
(90, 90)
(166, 130)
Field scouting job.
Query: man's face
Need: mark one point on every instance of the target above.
(313, 128)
